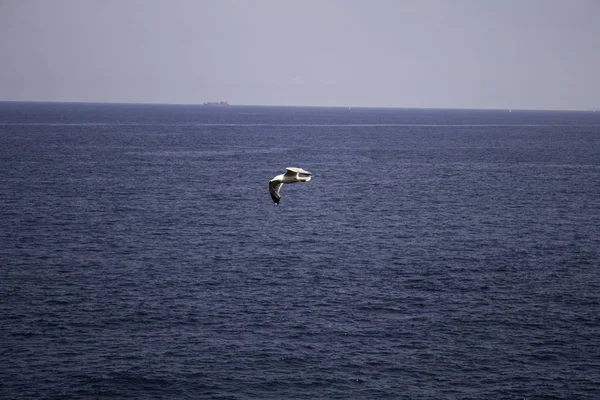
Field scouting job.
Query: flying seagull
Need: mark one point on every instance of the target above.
(292, 175)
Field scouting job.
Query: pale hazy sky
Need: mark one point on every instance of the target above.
(532, 54)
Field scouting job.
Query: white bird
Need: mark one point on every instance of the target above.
(292, 175)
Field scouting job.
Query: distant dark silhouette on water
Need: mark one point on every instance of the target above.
(216, 103)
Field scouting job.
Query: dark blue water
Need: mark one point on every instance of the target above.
(435, 254)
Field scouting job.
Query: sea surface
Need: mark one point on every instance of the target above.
(435, 254)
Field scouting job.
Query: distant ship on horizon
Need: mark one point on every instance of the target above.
(216, 103)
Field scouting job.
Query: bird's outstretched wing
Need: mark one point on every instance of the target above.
(295, 171)
(274, 188)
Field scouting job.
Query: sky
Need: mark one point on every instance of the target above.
(506, 54)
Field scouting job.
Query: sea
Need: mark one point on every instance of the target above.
(435, 254)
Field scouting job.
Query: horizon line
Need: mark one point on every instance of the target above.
(350, 107)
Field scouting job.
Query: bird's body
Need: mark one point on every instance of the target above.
(292, 175)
